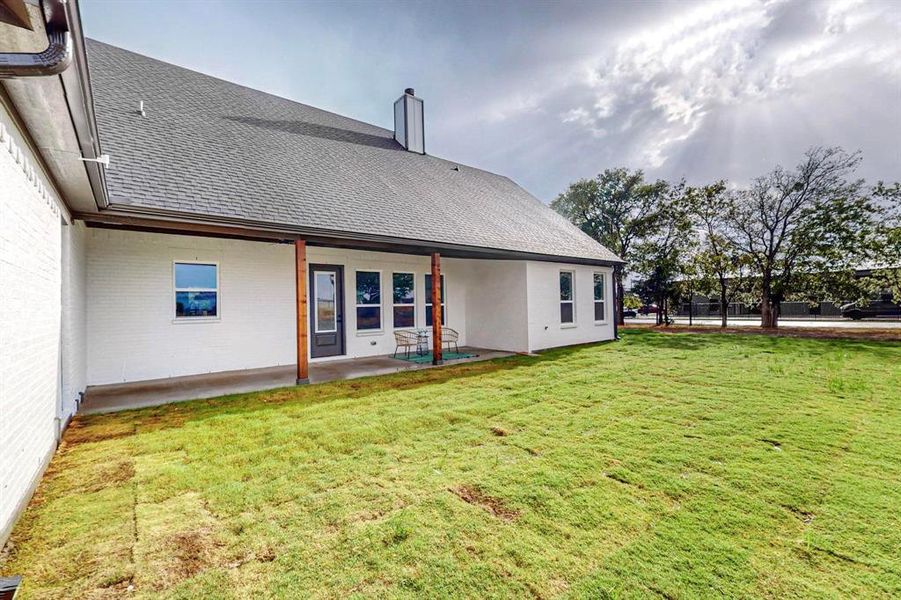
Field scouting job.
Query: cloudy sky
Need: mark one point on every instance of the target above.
(551, 92)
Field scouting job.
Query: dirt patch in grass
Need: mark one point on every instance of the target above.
(827, 333)
(266, 555)
(84, 432)
(191, 550)
(110, 476)
(496, 506)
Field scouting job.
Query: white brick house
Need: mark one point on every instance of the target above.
(235, 230)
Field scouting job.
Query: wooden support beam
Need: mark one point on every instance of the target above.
(303, 359)
(437, 357)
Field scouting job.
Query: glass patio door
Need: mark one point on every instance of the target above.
(327, 310)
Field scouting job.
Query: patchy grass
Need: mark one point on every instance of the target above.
(663, 465)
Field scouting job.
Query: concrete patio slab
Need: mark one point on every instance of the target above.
(141, 394)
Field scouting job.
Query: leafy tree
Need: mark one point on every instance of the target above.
(811, 221)
(663, 257)
(618, 209)
(886, 276)
(694, 280)
(631, 301)
(720, 266)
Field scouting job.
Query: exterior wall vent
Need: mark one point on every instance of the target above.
(409, 126)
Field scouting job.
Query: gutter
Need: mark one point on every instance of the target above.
(616, 314)
(53, 60)
(80, 98)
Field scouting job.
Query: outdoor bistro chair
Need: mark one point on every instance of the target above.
(405, 340)
(450, 336)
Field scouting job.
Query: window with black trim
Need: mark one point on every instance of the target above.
(369, 300)
(600, 295)
(567, 304)
(404, 299)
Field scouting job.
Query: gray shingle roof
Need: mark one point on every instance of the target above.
(214, 148)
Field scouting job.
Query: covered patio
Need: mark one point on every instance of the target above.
(257, 311)
(142, 394)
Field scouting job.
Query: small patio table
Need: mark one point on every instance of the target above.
(422, 342)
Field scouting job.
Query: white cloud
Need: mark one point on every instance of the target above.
(662, 83)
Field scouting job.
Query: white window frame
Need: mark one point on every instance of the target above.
(603, 299)
(381, 328)
(428, 301)
(395, 305)
(334, 273)
(176, 289)
(572, 299)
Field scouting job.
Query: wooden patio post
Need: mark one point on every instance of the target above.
(300, 263)
(437, 358)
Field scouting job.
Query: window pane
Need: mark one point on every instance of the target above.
(428, 289)
(369, 288)
(404, 316)
(195, 304)
(566, 286)
(326, 296)
(598, 286)
(369, 317)
(403, 288)
(566, 312)
(598, 311)
(428, 315)
(189, 275)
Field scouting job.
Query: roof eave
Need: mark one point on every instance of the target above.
(162, 220)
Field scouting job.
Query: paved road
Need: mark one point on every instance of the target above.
(865, 324)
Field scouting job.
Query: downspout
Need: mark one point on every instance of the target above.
(616, 271)
(55, 59)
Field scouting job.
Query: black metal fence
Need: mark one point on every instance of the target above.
(787, 311)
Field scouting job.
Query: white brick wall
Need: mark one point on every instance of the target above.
(133, 336)
(498, 306)
(545, 329)
(132, 332)
(30, 322)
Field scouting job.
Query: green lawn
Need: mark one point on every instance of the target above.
(663, 465)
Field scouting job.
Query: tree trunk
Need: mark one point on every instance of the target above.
(691, 308)
(724, 306)
(769, 309)
(765, 318)
(620, 292)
